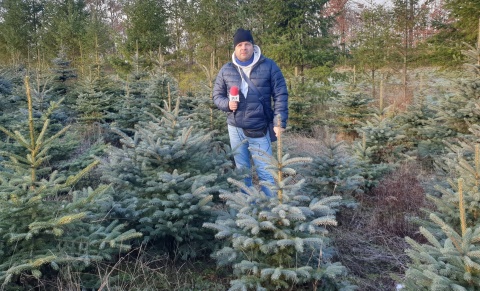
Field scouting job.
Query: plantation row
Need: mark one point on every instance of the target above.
(94, 167)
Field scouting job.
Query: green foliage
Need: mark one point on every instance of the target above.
(456, 111)
(211, 25)
(297, 34)
(45, 221)
(309, 98)
(93, 103)
(449, 262)
(62, 69)
(163, 177)
(141, 90)
(465, 14)
(371, 172)
(277, 242)
(442, 49)
(349, 109)
(461, 160)
(6, 99)
(384, 136)
(19, 29)
(146, 30)
(449, 259)
(372, 47)
(67, 24)
(424, 136)
(334, 171)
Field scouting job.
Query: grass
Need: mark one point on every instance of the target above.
(370, 239)
(143, 270)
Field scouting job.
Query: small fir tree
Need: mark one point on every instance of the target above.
(45, 222)
(125, 114)
(462, 161)
(141, 90)
(308, 99)
(350, 108)
(63, 73)
(93, 101)
(163, 177)
(278, 243)
(370, 171)
(457, 110)
(6, 100)
(424, 136)
(334, 171)
(450, 259)
(384, 136)
(14, 115)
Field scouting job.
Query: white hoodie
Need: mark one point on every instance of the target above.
(247, 69)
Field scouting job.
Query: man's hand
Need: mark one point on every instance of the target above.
(278, 130)
(233, 105)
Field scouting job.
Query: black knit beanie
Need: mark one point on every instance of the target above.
(242, 35)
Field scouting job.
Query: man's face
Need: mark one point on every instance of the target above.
(244, 51)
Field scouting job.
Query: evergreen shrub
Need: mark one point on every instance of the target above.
(281, 242)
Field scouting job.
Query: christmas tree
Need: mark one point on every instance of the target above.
(164, 177)
(450, 259)
(334, 170)
(281, 242)
(350, 108)
(45, 221)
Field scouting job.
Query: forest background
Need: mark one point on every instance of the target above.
(116, 174)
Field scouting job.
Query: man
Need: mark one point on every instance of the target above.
(247, 119)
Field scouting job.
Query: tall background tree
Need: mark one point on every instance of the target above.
(408, 18)
(20, 29)
(146, 30)
(65, 26)
(296, 33)
(372, 47)
(466, 14)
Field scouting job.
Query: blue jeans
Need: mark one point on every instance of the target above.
(242, 155)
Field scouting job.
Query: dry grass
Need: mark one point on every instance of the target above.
(371, 239)
(300, 144)
(142, 270)
(396, 198)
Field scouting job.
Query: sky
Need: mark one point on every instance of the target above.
(370, 2)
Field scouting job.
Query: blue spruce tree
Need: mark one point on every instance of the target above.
(46, 222)
(164, 177)
(280, 242)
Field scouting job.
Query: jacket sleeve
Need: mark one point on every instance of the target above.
(220, 95)
(280, 96)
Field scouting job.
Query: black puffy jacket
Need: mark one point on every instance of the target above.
(269, 80)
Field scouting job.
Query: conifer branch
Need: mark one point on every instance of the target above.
(32, 132)
(21, 139)
(44, 260)
(279, 158)
(30, 113)
(38, 142)
(477, 164)
(57, 135)
(461, 207)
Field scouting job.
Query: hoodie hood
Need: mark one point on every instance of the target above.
(256, 56)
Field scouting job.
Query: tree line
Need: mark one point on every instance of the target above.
(299, 35)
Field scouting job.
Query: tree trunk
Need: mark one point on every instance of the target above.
(374, 93)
